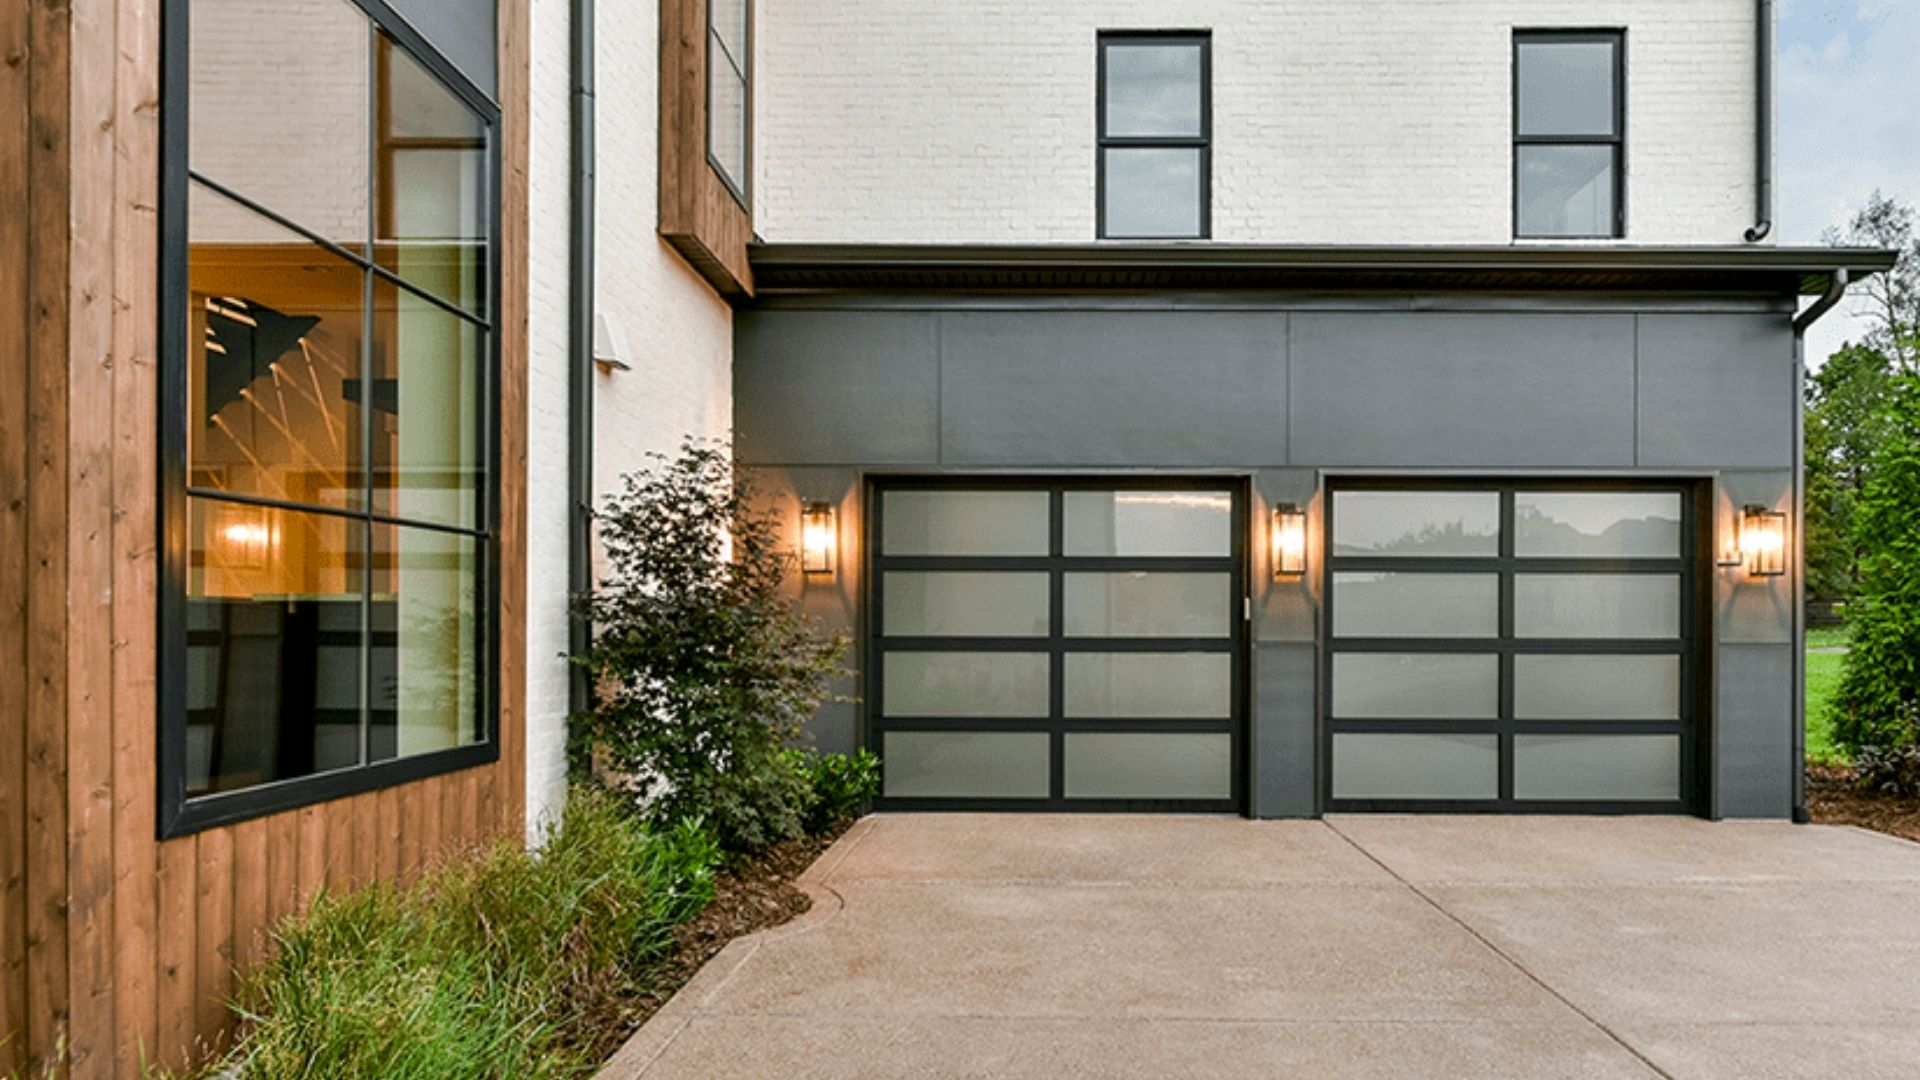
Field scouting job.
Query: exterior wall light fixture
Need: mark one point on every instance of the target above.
(1289, 536)
(818, 534)
(1763, 541)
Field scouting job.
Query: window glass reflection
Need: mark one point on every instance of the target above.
(273, 644)
(1153, 191)
(1149, 523)
(424, 691)
(278, 98)
(1153, 90)
(273, 359)
(432, 183)
(1603, 524)
(1566, 88)
(426, 410)
(1416, 523)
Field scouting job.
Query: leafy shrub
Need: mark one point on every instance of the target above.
(841, 785)
(510, 965)
(1895, 768)
(706, 670)
(1880, 683)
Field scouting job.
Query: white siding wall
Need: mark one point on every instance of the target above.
(1351, 122)
(679, 336)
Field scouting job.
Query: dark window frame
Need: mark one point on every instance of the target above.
(1616, 37)
(740, 188)
(1694, 565)
(873, 723)
(179, 814)
(1202, 142)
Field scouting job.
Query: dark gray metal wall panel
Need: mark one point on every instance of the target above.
(464, 32)
(1123, 389)
(1752, 610)
(837, 387)
(1753, 771)
(1716, 390)
(1462, 390)
(1283, 730)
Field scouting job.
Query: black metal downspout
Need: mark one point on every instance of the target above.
(580, 235)
(1836, 289)
(1763, 121)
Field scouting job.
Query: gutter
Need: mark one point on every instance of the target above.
(580, 308)
(1763, 120)
(1836, 290)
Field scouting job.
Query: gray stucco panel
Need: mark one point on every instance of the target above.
(1123, 389)
(1282, 735)
(1753, 773)
(1716, 390)
(1466, 390)
(837, 387)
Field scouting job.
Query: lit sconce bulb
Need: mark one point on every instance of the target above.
(1289, 541)
(818, 536)
(1763, 541)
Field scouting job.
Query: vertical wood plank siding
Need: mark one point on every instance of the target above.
(699, 217)
(118, 950)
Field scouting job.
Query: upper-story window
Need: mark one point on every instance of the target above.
(328, 364)
(729, 24)
(1569, 134)
(1155, 133)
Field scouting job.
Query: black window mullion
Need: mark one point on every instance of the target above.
(1505, 724)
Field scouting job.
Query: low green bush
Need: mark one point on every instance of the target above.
(840, 785)
(508, 965)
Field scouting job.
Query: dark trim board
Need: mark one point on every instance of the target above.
(1693, 646)
(874, 724)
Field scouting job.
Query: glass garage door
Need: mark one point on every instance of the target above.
(1068, 645)
(1512, 647)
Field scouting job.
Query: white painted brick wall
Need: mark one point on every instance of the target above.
(548, 204)
(1356, 122)
(679, 336)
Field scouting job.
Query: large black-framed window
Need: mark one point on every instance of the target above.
(1154, 120)
(329, 412)
(1506, 646)
(1068, 644)
(730, 95)
(1569, 134)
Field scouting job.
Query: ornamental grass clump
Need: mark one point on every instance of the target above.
(507, 965)
(706, 669)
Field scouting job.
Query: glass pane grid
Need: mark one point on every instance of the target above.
(1605, 540)
(977, 528)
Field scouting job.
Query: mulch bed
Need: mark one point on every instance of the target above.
(753, 895)
(1833, 798)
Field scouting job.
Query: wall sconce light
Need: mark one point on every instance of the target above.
(1763, 540)
(1289, 536)
(817, 538)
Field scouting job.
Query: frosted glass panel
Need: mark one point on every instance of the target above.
(1149, 684)
(962, 764)
(1435, 686)
(1597, 524)
(1416, 605)
(1149, 765)
(966, 684)
(1596, 605)
(964, 523)
(1148, 605)
(1380, 766)
(1596, 767)
(1151, 523)
(969, 604)
(1596, 687)
(1416, 523)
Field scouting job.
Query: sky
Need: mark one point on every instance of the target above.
(1847, 114)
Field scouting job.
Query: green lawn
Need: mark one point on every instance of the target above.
(1823, 678)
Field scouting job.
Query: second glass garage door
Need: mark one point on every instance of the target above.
(1512, 647)
(1074, 645)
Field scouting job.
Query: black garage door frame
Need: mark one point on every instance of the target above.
(875, 641)
(1695, 565)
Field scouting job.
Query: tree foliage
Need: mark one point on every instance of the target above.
(1844, 402)
(1890, 302)
(1880, 682)
(705, 669)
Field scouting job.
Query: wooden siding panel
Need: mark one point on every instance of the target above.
(176, 950)
(135, 581)
(252, 883)
(15, 308)
(45, 668)
(90, 529)
(699, 216)
(213, 948)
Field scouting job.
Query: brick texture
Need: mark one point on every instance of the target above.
(1359, 122)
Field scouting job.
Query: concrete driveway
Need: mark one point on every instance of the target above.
(1076, 946)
